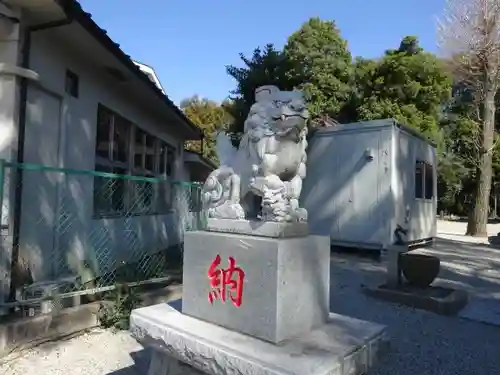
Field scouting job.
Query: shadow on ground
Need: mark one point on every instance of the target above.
(141, 360)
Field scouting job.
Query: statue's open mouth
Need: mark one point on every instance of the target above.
(292, 133)
(290, 121)
(284, 117)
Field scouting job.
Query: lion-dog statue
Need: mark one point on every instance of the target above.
(269, 163)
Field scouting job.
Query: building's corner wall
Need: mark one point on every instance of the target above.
(416, 214)
(58, 225)
(10, 71)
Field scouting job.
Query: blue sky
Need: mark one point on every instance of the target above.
(190, 42)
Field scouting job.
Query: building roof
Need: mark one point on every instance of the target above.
(150, 72)
(195, 157)
(370, 125)
(73, 10)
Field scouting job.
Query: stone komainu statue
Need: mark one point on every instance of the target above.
(270, 162)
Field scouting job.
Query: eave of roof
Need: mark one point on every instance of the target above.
(202, 158)
(147, 69)
(74, 10)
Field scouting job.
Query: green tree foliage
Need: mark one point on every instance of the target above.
(455, 168)
(211, 117)
(413, 87)
(322, 64)
(315, 60)
(458, 169)
(267, 66)
(406, 84)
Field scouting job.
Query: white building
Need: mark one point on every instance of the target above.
(380, 179)
(71, 98)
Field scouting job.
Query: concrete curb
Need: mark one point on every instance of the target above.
(26, 333)
(452, 304)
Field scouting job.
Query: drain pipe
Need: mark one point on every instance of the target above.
(23, 99)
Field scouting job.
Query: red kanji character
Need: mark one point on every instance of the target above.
(222, 282)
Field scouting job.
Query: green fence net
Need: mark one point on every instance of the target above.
(67, 231)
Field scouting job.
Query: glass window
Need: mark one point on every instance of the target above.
(150, 153)
(164, 196)
(109, 192)
(112, 154)
(139, 149)
(419, 179)
(162, 155)
(145, 165)
(164, 170)
(424, 180)
(143, 197)
(121, 129)
(429, 181)
(170, 161)
(103, 136)
(72, 84)
(116, 137)
(144, 152)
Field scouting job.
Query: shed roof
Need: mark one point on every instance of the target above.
(372, 124)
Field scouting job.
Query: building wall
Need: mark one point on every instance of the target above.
(347, 195)
(57, 225)
(417, 213)
(9, 55)
(359, 202)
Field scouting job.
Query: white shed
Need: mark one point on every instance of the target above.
(364, 179)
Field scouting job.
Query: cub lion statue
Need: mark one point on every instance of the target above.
(270, 162)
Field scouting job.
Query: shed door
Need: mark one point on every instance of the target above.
(359, 218)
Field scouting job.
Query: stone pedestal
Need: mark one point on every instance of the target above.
(285, 287)
(256, 301)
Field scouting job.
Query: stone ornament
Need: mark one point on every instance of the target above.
(270, 162)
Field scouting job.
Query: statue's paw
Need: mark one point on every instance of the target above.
(274, 183)
(239, 211)
(300, 214)
(229, 210)
(255, 169)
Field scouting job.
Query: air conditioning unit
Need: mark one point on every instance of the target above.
(47, 289)
(36, 291)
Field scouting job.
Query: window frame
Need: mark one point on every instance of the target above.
(132, 168)
(72, 84)
(163, 171)
(141, 170)
(109, 164)
(428, 180)
(425, 168)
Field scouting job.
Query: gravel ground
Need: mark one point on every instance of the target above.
(99, 352)
(421, 343)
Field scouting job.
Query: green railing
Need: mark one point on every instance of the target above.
(71, 232)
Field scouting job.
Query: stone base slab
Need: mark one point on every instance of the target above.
(186, 345)
(450, 303)
(258, 228)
